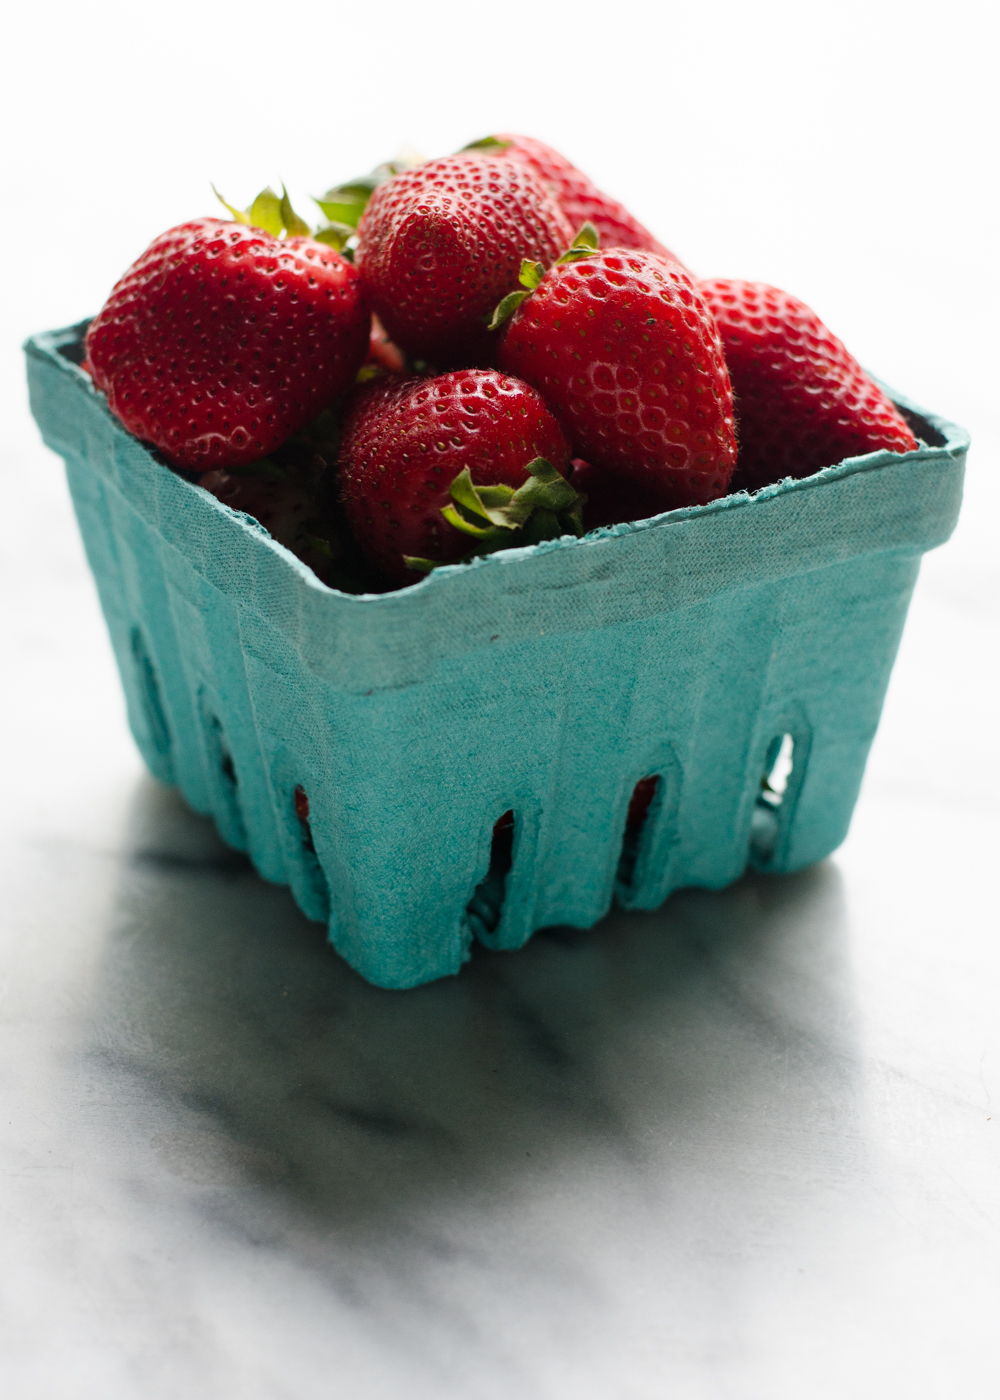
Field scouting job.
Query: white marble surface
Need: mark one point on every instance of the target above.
(746, 1148)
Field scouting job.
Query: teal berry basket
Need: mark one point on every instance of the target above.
(469, 746)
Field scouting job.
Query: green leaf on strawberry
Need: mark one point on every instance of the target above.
(529, 277)
(335, 234)
(265, 212)
(240, 215)
(295, 227)
(270, 212)
(487, 143)
(448, 467)
(543, 508)
(345, 204)
(584, 245)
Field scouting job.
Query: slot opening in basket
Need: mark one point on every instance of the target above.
(314, 871)
(766, 822)
(485, 908)
(301, 802)
(223, 757)
(636, 821)
(222, 777)
(149, 693)
(228, 768)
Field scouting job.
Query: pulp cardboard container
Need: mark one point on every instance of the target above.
(710, 647)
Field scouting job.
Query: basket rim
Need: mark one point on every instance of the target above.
(49, 346)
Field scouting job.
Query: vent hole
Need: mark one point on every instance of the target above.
(766, 823)
(149, 692)
(224, 789)
(320, 899)
(225, 759)
(486, 905)
(302, 812)
(635, 824)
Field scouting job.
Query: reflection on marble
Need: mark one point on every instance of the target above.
(264, 1049)
(620, 1161)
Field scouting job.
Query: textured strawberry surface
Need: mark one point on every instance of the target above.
(623, 349)
(405, 441)
(581, 200)
(440, 245)
(220, 341)
(802, 400)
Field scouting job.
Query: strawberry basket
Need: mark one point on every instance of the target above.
(518, 742)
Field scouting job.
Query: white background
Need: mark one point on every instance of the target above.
(846, 152)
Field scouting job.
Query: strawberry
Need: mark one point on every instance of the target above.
(611, 499)
(223, 339)
(410, 449)
(297, 517)
(803, 401)
(439, 245)
(577, 195)
(284, 509)
(624, 351)
(293, 493)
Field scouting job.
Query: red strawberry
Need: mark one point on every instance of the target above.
(803, 402)
(625, 353)
(295, 516)
(611, 499)
(580, 199)
(429, 467)
(222, 340)
(440, 245)
(282, 507)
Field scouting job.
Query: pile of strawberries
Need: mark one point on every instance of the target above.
(473, 353)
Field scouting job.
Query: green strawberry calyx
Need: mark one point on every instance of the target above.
(273, 213)
(487, 143)
(344, 204)
(498, 517)
(584, 245)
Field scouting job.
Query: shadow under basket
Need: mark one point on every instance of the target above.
(516, 743)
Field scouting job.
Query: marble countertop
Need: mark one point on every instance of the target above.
(744, 1148)
(747, 1146)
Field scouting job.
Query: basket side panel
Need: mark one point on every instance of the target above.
(153, 726)
(839, 632)
(544, 686)
(206, 739)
